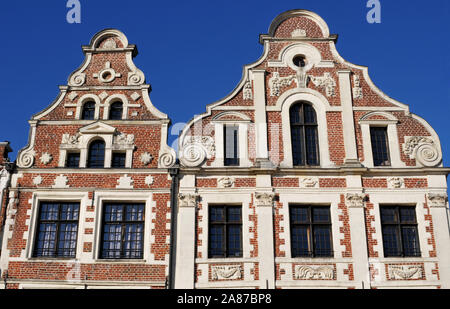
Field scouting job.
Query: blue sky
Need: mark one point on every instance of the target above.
(192, 52)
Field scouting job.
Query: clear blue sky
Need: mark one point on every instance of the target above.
(192, 52)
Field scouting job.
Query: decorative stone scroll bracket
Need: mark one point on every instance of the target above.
(423, 149)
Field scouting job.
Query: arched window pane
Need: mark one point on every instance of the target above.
(305, 148)
(116, 110)
(88, 111)
(96, 157)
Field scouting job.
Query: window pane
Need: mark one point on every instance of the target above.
(300, 241)
(299, 215)
(112, 241)
(298, 152)
(380, 149)
(88, 112)
(311, 145)
(304, 135)
(321, 214)
(118, 160)
(391, 241)
(231, 146)
(73, 160)
(310, 114)
(116, 110)
(216, 241)
(96, 154)
(217, 214)
(234, 241)
(389, 215)
(322, 241)
(410, 241)
(133, 241)
(113, 213)
(234, 214)
(407, 214)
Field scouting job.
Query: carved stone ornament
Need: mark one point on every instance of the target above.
(70, 141)
(423, 149)
(107, 75)
(396, 182)
(149, 180)
(405, 272)
(298, 33)
(248, 92)
(437, 200)
(187, 200)
(109, 44)
(307, 272)
(226, 272)
(276, 83)
(196, 149)
(77, 79)
(61, 182)
(146, 158)
(357, 90)
(46, 158)
(326, 82)
(37, 180)
(136, 78)
(124, 139)
(125, 182)
(225, 182)
(167, 159)
(308, 182)
(354, 200)
(26, 159)
(264, 198)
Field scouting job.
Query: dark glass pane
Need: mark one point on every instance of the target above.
(116, 111)
(234, 214)
(112, 241)
(391, 241)
(49, 212)
(88, 112)
(113, 213)
(380, 148)
(309, 114)
(217, 214)
(46, 240)
(389, 215)
(321, 214)
(231, 146)
(407, 214)
(135, 213)
(299, 215)
(216, 241)
(133, 241)
(67, 239)
(118, 160)
(311, 145)
(322, 241)
(295, 114)
(298, 152)
(300, 241)
(234, 241)
(96, 154)
(410, 241)
(73, 160)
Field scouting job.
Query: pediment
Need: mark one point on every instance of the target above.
(98, 128)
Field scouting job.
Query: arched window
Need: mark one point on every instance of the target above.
(116, 110)
(88, 112)
(96, 156)
(305, 146)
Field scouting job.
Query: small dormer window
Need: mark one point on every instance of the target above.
(116, 110)
(88, 112)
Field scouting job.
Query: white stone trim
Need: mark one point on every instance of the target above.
(394, 145)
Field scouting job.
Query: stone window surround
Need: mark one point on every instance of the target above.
(52, 196)
(83, 148)
(394, 147)
(219, 126)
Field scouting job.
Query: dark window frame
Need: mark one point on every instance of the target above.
(123, 159)
(225, 224)
(88, 110)
(235, 160)
(303, 155)
(115, 112)
(401, 250)
(310, 226)
(378, 153)
(68, 159)
(123, 224)
(96, 163)
(58, 222)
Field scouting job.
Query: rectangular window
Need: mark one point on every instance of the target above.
(123, 231)
(399, 228)
(231, 138)
(380, 146)
(311, 231)
(73, 160)
(118, 160)
(57, 230)
(225, 231)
